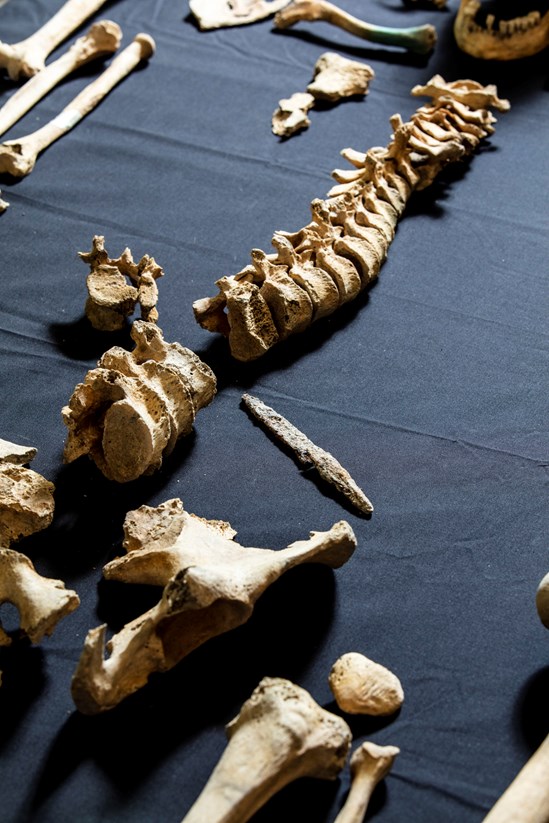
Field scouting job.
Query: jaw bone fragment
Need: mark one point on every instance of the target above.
(307, 452)
(361, 686)
(291, 115)
(130, 411)
(370, 763)
(215, 14)
(336, 77)
(103, 38)
(280, 735)
(18, 157)
(28, 57)
(111, 299)
(211, 585)
(339, 253)
(420, 39)
(482, 35)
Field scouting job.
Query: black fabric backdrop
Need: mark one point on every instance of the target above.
(431, 390)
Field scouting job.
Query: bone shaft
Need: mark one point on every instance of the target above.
(527, 798)
(357, 801)
(69, 17)
(374, 34)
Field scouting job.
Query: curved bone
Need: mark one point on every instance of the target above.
(527, 798)
(280, 735)
(41, 601)
(370, 763)
(211, 585)
(542, 601)
(103, 38)
(215, 14)
(18, 157)
(361, 686)
(28, 57)
(340, 251)
(420, 39)
(129, 412)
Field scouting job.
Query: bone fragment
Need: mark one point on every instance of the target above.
(12, 453)
(336, 77)
(542, 601)
(28, 57)
(111, 298)
(3, 204)
(211, 585)
(527, 798)
(26, 502)
(420, 39)
(18, 157)
(216, 14)
(103, 38)
(370, 763)
(291, 115)
(280, 735)
(339, 253)
(361, 686)
(307, 452)
(129, 412)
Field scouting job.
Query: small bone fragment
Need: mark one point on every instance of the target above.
(370, 763)
(336, 77)
(103, 38)
(41, 601)
(129, 412)
(307, 452)
(420, 39)
(26, 502)
(12, 453)
(526, 799)
(211, 585)
(215, 14)
(361, 686)
(28, 57)
(280, 735)
(18, 157)
(542, 601)
(291, 115)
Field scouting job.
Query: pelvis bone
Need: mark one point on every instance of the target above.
(339, 253)
(211, 585)
(130, 411)
(280, 734)
(500, 30)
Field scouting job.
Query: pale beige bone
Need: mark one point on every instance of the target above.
(307, 452)
(527, 798)
(362, 686)
(3, 204)
(12, 453)
(111, 299)
(339, 253)
(502, 39)
(291, 114)
(40, 601)
(280, 735)
(211, 585)
(103, 38)
(18, 157)
(420, 39)
(129, 412)
(28, 57)
(26, 502)
(216, 14)
(370, 763)
(336, 77)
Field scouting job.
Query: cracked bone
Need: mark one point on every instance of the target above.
(362, 686)
(328, 262)
(103, 38)
(110, 298)
(18, 157)
(370, 763)
(336, 77)
(216, 14)
(280, 735)
(13, 453)
(26, 498)
(28, 57)
(419, 39)
(291, 114)
(211, 585)
(129, 412)
(307, 452)
(485, 37)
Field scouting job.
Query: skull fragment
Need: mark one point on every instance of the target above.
(502, 29)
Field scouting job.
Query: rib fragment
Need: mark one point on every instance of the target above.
(129, 412)
(307, 452)
(280, 735)
(328, 262)
(211, 585)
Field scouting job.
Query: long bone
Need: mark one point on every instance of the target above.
(211, 585)
(28, 57)
(370, 763)
(280, 735)
(18, 157)
(526, 799)
(102, 38)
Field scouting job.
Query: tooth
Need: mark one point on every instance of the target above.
(490, 22)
